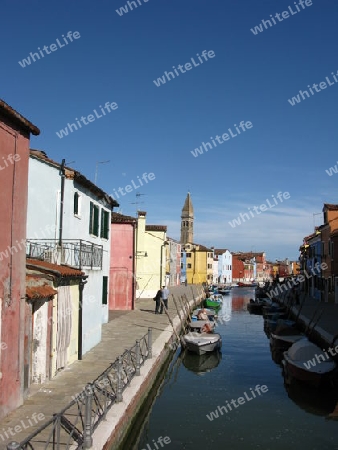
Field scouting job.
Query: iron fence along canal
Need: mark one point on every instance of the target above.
(73, 427)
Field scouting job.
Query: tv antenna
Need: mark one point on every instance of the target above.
(137, 202)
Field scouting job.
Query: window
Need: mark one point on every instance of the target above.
(104, 223)
(189, 266)
(188, 255)
(209, 266)
(94, 219)
(104, 290)
(77, 204)
(181, 265)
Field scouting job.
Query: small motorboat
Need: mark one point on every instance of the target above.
(282, 339)
(273, 323)
(249, 285)
(214, 301)
(211, 313)
(198, 325)
(307, 362)
(255, 308)
(224, 290)
(201, 343)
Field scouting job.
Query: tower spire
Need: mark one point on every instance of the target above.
(187, 221)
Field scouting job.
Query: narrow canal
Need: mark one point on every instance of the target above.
(271, 417)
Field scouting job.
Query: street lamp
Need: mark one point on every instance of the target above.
(97, 164)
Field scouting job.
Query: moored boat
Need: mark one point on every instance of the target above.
(307, 362)
(214, 301)
(201, 343)
(224, 290)
(251, 285)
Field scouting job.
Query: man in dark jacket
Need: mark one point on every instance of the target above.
(157, 299)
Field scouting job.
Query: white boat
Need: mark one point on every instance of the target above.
(201, 343)
(307, 362)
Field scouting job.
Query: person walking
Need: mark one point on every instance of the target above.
(157, 299)
(165, 295)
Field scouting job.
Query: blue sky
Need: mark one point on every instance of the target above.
(154, 129)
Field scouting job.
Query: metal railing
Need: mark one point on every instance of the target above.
(73, 427)
(75, 253)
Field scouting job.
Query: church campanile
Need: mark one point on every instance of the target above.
(187, 221)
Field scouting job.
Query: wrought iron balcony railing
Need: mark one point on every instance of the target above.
(75, 253)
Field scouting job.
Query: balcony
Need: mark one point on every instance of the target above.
(75, 253)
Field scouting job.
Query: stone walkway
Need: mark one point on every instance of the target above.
(117, 336)
(313, 310)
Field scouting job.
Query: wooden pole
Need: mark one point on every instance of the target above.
(171, 322)
(193, 296)
(187, 308)
(178, 313)
(182, 306)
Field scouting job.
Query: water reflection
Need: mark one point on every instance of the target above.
(201, 364)
(285, 417)
(314, 401)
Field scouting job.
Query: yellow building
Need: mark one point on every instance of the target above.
(199, 261)
(151, 257)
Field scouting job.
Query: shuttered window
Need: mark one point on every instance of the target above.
(105, 224)
(94, 219)
(104, 290)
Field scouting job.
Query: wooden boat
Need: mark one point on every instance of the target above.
(272, 324)
(240, 284)
(255, 308)
(197, 325)
(307, 362)
(282, 339)
(214, 301)
(224, 291)
(201, 343)
(210, 312)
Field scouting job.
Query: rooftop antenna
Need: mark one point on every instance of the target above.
(97, 168)
(137, 202)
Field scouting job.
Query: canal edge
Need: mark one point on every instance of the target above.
(112, 432)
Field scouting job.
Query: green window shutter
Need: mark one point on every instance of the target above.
(102, 223)
(96, 221)
(91, 230)
(107, 215)
(76, 203)
(104, 290)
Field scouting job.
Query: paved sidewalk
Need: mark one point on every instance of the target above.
(118, 335)
(326, 314)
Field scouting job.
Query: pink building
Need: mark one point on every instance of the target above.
(122, 283)
(15, 133)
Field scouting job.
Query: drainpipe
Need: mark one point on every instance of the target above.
(62, 170)
(134, 267)
(79, 338)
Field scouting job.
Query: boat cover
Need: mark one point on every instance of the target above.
(305, 350)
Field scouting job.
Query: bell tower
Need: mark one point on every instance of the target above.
(187, 221)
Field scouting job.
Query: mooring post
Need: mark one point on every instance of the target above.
(138, 357)
(87, 438)
(13, 446)
(119, 380)
(150, 342)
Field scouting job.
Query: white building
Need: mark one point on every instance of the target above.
(68, 222)
(224, 266)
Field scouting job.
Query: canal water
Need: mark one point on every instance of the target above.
(269, 415)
